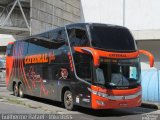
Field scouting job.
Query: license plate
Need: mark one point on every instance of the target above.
(123, 104)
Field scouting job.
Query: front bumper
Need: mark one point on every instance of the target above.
(114, 99)
(103, 103)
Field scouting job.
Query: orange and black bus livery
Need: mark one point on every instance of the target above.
(85, 64)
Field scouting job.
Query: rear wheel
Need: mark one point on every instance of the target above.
(15, 90)
(21, 91)
(68, 100)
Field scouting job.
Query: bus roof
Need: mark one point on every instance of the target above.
(97, 24)
(77, 24)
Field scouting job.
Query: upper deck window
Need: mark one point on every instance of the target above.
(112, 38)
(37, 46)
(78, 37)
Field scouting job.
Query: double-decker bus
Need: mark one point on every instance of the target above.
(85, 64)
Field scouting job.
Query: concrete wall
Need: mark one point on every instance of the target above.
(153, 47)
(49, 14)
(136, 14)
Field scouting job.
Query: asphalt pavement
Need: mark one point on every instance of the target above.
(9, 108)
(32, 105)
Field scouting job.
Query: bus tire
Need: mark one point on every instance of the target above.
(15, 90)
(68, 100)
(21, 91)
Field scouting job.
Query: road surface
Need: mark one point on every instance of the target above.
(33, 105)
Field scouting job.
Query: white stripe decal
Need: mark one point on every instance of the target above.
(125, 97)
(111, 97)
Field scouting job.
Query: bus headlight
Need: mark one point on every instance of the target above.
(100, 102)
(102, 94)
(98, 93)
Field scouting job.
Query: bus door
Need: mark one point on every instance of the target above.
(78, 37)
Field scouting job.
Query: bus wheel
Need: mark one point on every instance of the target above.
(15, 90)
(21, 91)
(68, 100)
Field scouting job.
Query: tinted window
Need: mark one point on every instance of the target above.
(112, 38)
(83, 65)
(53, 34)
(57, 34)
(58, 37)
(39, 46)
(44, 35)
(25, 47)
(45, 71)
(78, 37)
(62, 35)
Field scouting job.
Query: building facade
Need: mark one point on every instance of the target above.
(21, 18)
(49, 14)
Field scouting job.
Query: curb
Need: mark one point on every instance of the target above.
(151, 105)
(20, 102)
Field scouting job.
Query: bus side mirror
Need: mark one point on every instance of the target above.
(150, 56)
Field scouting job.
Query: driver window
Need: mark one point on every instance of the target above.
(100, 76)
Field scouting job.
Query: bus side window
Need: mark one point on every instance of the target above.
(25, 47)
(9, 51)
(83, 64)
(58, 37)
(78, 37)
(45, 71)
(39, 46)
(44, 35)
(53, 34)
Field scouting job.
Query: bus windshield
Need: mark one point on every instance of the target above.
(111, 38)
(118, 73)
(110, 73)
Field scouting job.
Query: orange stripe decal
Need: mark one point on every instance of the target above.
(99, 53)
(150, 56)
